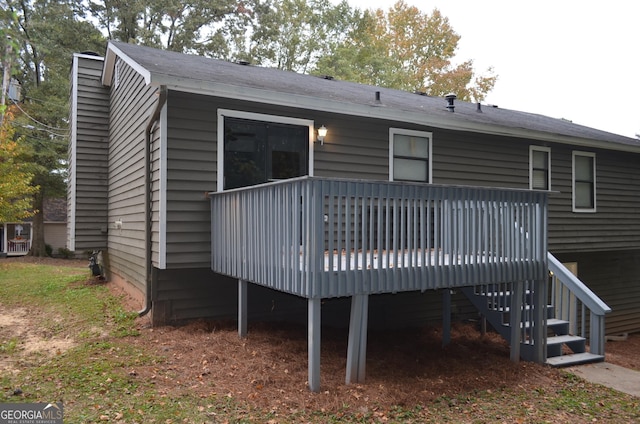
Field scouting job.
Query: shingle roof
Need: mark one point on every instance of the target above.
(194, 73)
(55, 210)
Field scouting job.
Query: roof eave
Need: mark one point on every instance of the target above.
(108, 69)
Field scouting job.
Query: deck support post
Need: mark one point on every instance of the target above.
(446, 317)
(357, 346)
(242, 308)
(313, 337)
(515, 318)
(540, 320)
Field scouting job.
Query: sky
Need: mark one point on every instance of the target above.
(571, 59)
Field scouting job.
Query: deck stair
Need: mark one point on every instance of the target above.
(562, 348)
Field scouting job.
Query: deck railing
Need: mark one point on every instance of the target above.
(573, 301)
(320, 237)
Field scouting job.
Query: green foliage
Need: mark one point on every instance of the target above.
(183, 26)
(15, 184)
(46, 34)
(7, 347)
(406, 49)
(293, 34)
(65, 253)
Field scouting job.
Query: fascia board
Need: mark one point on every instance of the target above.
(110, 62)
(374, 111)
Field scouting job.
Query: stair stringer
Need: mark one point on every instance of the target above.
(496, 318)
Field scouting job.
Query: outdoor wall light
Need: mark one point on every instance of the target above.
(322, 133)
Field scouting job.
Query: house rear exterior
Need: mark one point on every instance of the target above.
(153, 132)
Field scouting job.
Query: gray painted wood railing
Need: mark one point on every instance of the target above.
(319, 237)
(573, 301)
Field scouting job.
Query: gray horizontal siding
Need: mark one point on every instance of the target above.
(184, 294)
(358, 148)
(132, 103)
(191, 172)
(87, 197)
(615, 277)
(616, 224)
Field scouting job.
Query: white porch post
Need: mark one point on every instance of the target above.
(242, 308)
(357, 347)
(313, 337)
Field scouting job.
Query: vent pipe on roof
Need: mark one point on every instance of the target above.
(479, 109)
(377, 101)
(450, 99)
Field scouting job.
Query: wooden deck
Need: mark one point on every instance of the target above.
(321, 238)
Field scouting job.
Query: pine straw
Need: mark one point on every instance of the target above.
(268, 369)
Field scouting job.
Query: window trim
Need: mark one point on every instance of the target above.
(423, 134)
(532, 149)
(229, 113)
(573, 181)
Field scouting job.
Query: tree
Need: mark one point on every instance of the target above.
(178, 25)
(15, 185)
(406, 49)
(293, 34)
(48, 33)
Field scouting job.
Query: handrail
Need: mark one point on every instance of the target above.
(577, 287)
(566, 291)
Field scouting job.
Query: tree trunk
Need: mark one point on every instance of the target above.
(37, 244)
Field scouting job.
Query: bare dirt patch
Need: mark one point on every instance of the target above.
(22, 337)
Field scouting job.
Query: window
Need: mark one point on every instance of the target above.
(584, 182)
(409, 155)
(539, 168)
(256, 148)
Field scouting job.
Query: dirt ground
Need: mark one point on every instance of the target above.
(268, 369)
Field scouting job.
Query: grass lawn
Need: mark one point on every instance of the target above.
(66, 338)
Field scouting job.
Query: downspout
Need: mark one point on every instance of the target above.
(148, 196)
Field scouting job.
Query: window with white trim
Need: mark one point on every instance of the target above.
(539, 168)
(255, 148)
(584, 181)
(410, 155)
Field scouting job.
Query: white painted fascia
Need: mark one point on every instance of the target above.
(372, 111)
(112, 54)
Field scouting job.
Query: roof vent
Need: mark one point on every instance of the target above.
(327, 77)
(243, 62)
(450, 99)
(479, 108)
(378, 99)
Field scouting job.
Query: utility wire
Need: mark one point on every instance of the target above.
(35, 120)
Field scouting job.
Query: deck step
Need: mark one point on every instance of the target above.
(568, 339)
(575, 343)
(574, 359)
